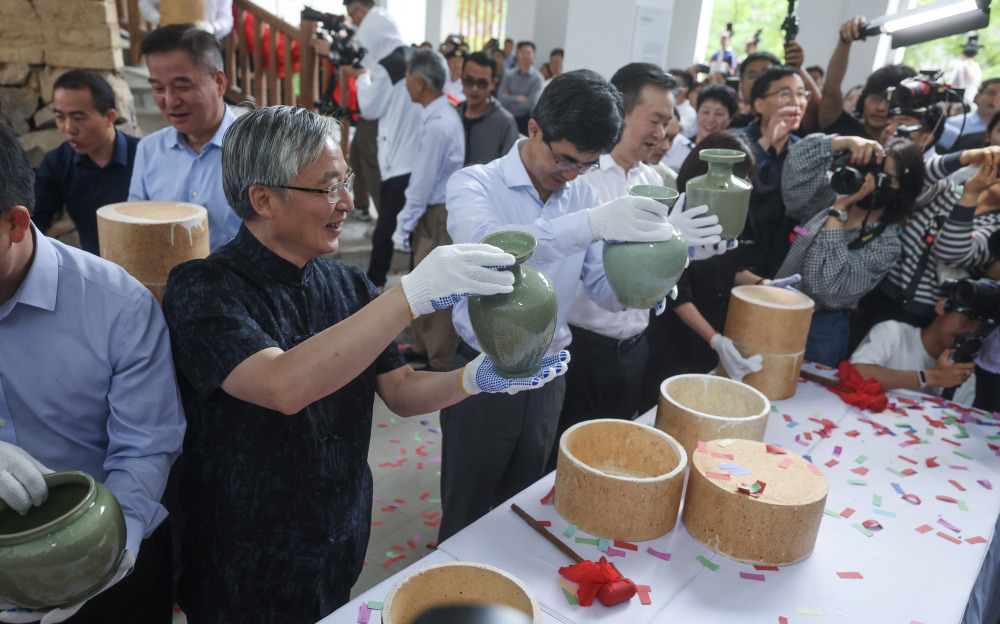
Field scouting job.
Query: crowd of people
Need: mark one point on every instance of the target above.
(264, 360)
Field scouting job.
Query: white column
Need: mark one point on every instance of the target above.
(521, 19)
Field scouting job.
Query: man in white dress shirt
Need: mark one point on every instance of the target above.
(440, 153)
(494, 449)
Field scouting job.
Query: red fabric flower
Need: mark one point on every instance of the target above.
(863, 393)
(601, 579)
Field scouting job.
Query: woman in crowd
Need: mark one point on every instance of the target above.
(843, 251)
(716, 106)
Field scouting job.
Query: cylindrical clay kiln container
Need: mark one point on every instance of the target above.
(773, 322)
(697, 408)
(181, 11)
(148, 238)
(777, 528)
(456, 583)
(618, 479)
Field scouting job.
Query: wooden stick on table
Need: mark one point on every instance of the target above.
(545, 532)
(824, 381)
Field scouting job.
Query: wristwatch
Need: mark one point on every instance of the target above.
(840, 215)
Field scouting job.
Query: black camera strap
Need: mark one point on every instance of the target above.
(867, 235)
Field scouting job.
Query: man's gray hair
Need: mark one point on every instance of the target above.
(270, 147)
(431, 66)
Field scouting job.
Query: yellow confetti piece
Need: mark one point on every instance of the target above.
(808, 611)
(567, 586)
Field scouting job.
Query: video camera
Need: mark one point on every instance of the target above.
(846, 179)
(343, 51)
(791, 23)
(918, 92)
(977, 299)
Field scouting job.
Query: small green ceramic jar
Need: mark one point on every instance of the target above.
(65, 550)
(726, 195)
(516, 329)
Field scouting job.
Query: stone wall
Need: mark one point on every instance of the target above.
(41, 39)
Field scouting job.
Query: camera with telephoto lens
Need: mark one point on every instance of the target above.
(791, 23)
(977, 299)
(845, 179)
(918, 92)
(343, 51)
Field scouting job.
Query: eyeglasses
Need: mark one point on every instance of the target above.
(333, 194)
(785, 94)
(481, 83)
(565, 165)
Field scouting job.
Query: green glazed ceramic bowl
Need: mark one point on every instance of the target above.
(664, 195)
(65, 550)
(641, 274)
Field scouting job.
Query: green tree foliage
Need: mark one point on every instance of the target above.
(746, 17)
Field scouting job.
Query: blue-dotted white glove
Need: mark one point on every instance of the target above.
(21, 483)
(698, 228)
(737, 366)
(662, 305)
(10, 613)
(703, 252)
(452, 272)
(401, 242)
(630, 219)
(480, 375)
(783, 282)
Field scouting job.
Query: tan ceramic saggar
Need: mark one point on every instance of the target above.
(778, 528)
(456, 583)
(619, 480)
(773, 322)
(705, 407)
(149, 238)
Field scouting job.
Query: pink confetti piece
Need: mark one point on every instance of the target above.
(924, 528)
(985, 483)
(722, 476)
(849, 575)
(837, 450)
(957, 485)
(702, 447)
(365, 614)
(722, 455)
(947, 524)
(658, 554)
(750, 576)
(774, 448)
(949, 538)
(785, 463)
(614, 552)
(814, 469)
(976, 540)
(798, 229)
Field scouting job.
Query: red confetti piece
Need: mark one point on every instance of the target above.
(871, 524)
(548, 496)
(545, 523)
(924, 528)
(411, 544)
(763, 568)
(787, 417)
(400, 501)
(393, 560)
(382, 425)
(957, 485)
(398, 548)
(976, 540)
(952, 442)
(807, 435)
(949, 538)
(904, 458)
(432, 545)
(782, 619)
(849, 575)
(643, 592)
(424, 495)
(394, 442)
(946, 499)
(702, 447)
(625, 545)
(376, 523)
(420, 451)
(433, 523)
(722, 455)
(722, 476)
(774, 448)
(752, 577)
(931, 463)
(852, 434)
(908, 472)
(420, 465)
(814, 469)
(847, 513)
(861, 470)
(911, 498)
(429, 514)
(832, 463)
(388, 509)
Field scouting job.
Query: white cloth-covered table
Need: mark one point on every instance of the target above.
(907, 575)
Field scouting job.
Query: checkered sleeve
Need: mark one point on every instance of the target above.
(838, 277)
(805, 187)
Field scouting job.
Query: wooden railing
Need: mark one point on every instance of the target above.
(259, 60)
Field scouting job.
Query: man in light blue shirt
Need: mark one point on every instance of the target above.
(86, 383)
(987, 101)
(184, 162)
(495, 448)
(440, 153)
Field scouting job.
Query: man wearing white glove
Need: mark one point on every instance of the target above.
(86, 383)
(495, 446)
(609, 347)
(280, 353)
(440, 153)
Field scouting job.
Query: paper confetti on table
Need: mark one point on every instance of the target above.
(863, 529)
(603, 544)
(849, 575)
(752, 577)
(924, 528)
(374, 605)
(976, 540)
(847, 513)
(808, 611)
(898, 489)
(626, 545)
(548, 496)
(765, 568)
(570, 597)
(985, 483)
(837, 451)
(911, 498)
(702, 447)
(884, 512)
(876, 500)
(813, 468)
(566, 585)
(739, 472)
(861, 470)
(708, 564)
(660, 555)
(946, 499)
(614, 552)
(728, 466)
(570, 530)
(722, 456)
(785, 463)
(948, 525)
(364, 614)
(831, 513)
(832, 463)
(724, 476)
(643, 592)
(857, 482)
(949, 538)
(724, 443)
(593, 541)
(774, 448)
(871, 524)
(861, 459)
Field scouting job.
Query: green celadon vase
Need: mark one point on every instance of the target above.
(65, 550)
(641, 274)
(515, 329)
(726, 195)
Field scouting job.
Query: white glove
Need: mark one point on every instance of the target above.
(630, 219)
(452, 272)
(783, 282)
(11, 613)
(21, 483)
(703, 252)
(662, 305)
(401, 242)
(737, 366)
(697, 228)
(480, 375)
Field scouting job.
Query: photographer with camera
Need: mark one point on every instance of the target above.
(844, 251)
(939, 356)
